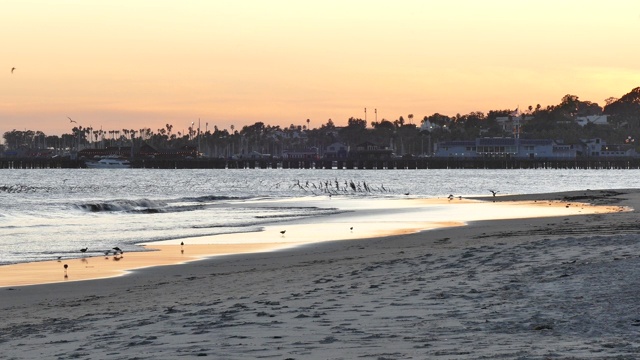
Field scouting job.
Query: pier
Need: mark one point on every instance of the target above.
(337, 164)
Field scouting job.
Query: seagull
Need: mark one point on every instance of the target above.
(450, 196)
(70, 120)
(117, 249)
(494, 192)
(84, 250)
(282, 232)
(351, 228)
(13, 68)
(65, 270)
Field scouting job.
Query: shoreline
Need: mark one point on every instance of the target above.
(326, 229)
(552, 287)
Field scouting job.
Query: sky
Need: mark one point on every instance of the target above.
(135, 64)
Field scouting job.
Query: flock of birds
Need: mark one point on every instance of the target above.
(335, 187)
(116, 251)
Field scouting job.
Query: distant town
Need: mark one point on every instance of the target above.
(571, 130)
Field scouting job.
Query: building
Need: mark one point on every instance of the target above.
(593, 119)
(515, 148)
(599, 148)
(513, 123)
(308, 154)
(456, 148)
(506, 148)
(371, 151)
(336, 151)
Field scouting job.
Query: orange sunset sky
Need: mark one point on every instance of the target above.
(145, 63)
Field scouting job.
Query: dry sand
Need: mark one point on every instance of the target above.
(560, 288)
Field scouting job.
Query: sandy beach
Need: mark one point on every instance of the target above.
(562, 287)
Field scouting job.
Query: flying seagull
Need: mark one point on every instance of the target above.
(494, 192)
(71, 120)
(13, 68)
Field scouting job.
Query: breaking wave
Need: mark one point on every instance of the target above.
(147, 206)
(141, 206)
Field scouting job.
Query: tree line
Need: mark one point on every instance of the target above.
(404, 137)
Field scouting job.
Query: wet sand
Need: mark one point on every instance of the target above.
(364, 222)
(535, 288)
(98, 267)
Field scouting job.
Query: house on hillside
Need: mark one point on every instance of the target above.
(593, 119)
(513, 124)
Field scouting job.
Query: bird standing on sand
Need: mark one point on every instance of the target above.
(13, 68)
(65, 270)
(282, 232)
(84, 250)
(117, 250)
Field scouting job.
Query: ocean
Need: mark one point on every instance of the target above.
(51, 213)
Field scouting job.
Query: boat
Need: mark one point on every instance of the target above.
(108, 163)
